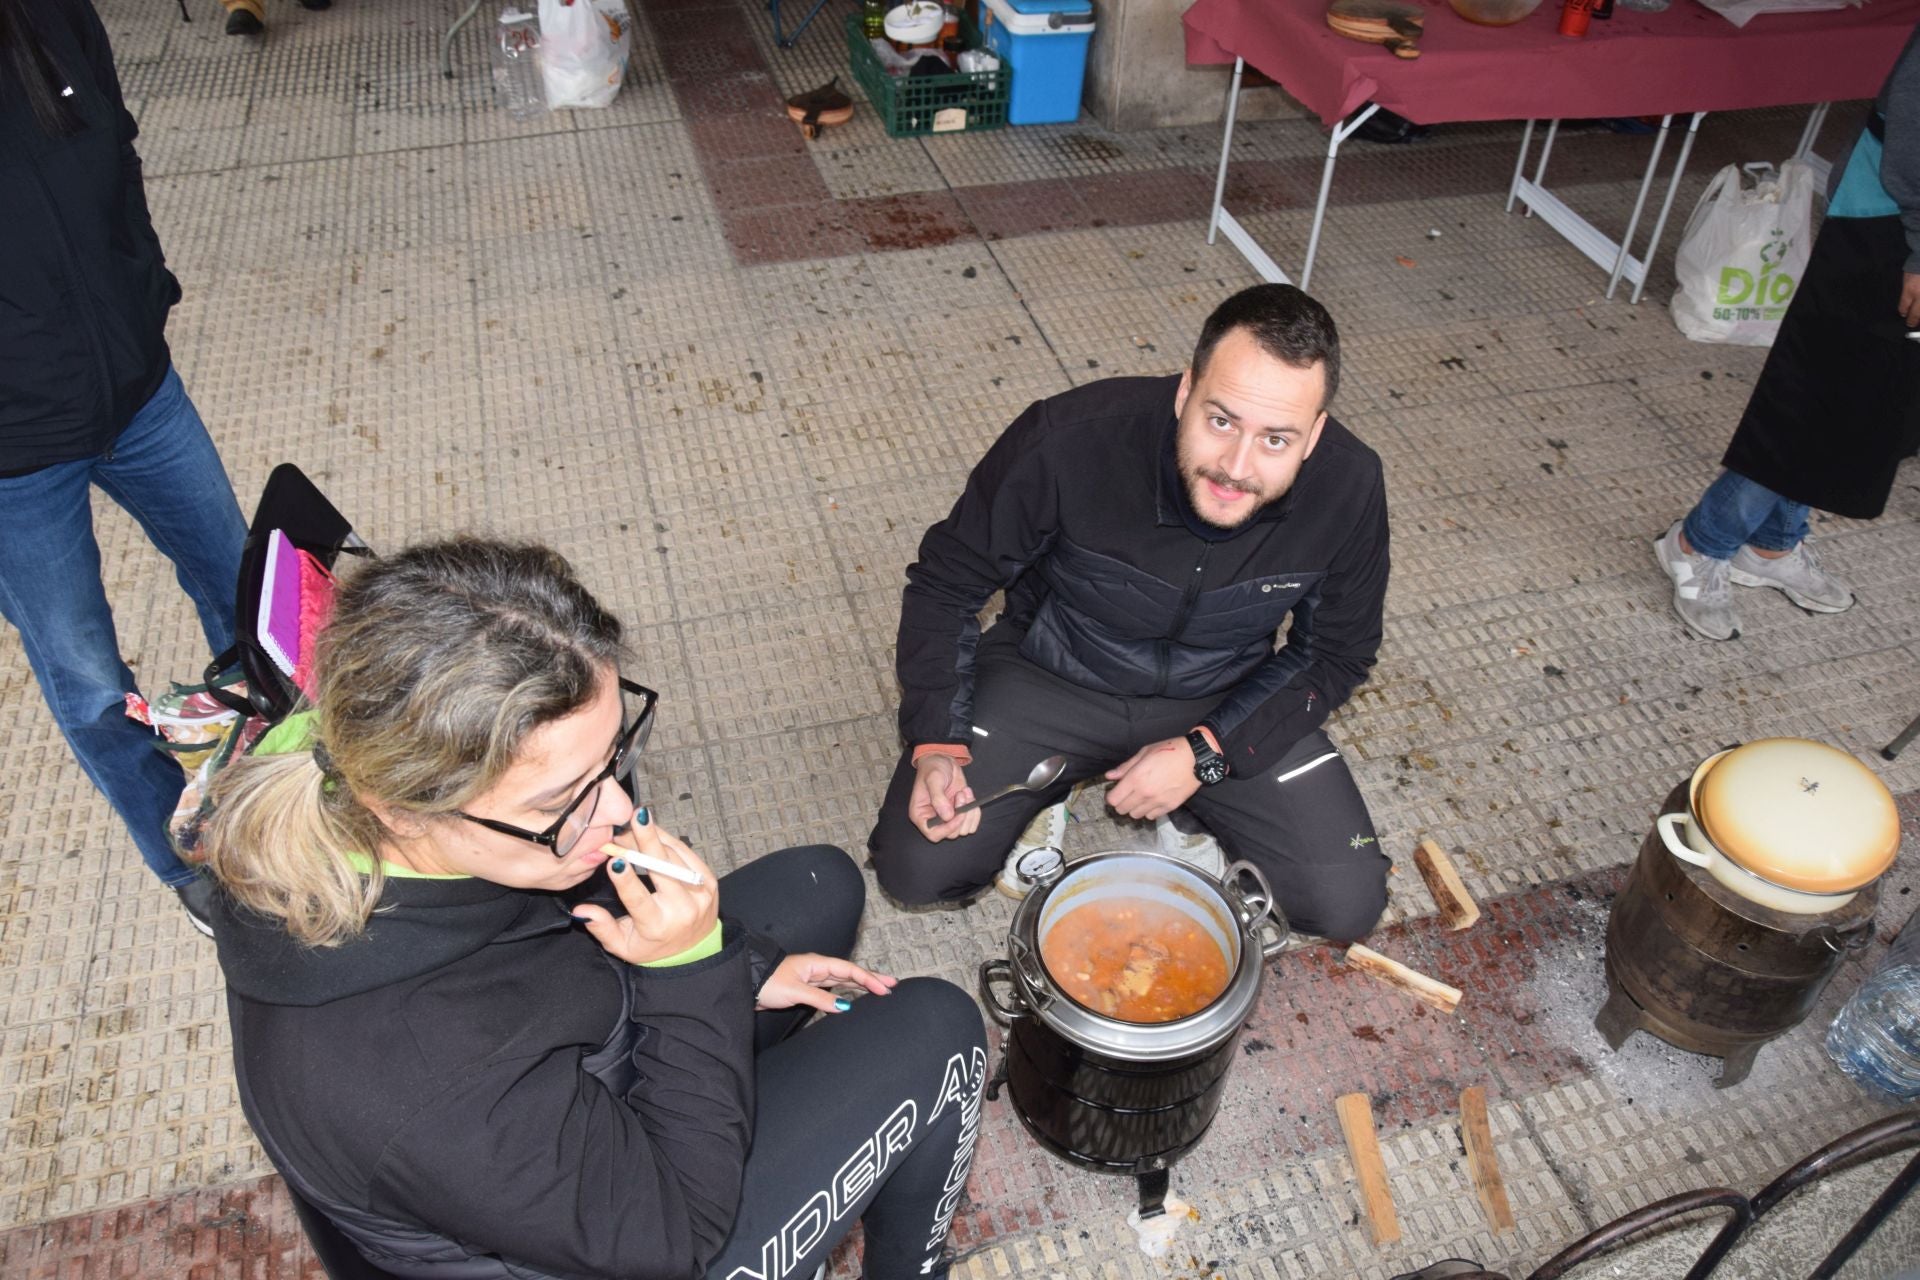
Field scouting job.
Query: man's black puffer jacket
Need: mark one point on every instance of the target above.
(1077, 512)
(84, 289)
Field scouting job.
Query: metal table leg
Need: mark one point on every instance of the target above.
(786, 42)
(1816, 119)
(1519, 165)
(1341, 132)
(1666, 206)
(446, 42)
(1226, 150)
(1639, 203)
(1225, 223)
(1614, 257)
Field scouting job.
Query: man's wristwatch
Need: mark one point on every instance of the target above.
(1208, 765)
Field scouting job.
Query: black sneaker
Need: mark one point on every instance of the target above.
(196, 896)
(241, 22)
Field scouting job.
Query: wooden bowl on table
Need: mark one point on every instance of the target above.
(1494, 13)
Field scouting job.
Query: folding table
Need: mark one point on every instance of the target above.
(1685, 61)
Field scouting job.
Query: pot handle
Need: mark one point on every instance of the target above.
(1849, 941)
(993, 971)
(1257, 909)
(1665, 824)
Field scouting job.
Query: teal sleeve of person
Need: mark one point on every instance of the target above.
(709, 945)
(1860, 193)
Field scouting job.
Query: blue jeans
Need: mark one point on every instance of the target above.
(1736, 512)
(163, 469)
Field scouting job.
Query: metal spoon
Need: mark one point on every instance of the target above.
(1043, 775)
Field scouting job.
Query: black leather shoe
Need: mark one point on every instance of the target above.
(241, 22)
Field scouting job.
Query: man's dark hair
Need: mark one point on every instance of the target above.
(1288, 325)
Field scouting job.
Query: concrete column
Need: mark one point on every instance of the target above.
(1138, 78)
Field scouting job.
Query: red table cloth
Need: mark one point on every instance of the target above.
(1683, 60)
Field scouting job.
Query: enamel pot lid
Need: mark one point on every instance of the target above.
(1799, 814)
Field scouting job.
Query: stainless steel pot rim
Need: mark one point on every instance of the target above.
(1040, 997)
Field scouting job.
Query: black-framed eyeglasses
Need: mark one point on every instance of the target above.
(577, 818)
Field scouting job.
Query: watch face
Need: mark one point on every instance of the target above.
(1208, 766)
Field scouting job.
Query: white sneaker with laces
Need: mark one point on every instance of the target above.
(1197, 847)
(1702, 588)
(1798, 573)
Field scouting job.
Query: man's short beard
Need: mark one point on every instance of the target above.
(1201, 475)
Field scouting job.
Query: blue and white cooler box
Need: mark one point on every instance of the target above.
(1045, 42)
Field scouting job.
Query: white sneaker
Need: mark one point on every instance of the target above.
(1048, 829)
(1798, 573)
(1702, 587)
(1196, 847)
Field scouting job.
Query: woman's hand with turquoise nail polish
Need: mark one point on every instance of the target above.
(805, 979)
(660, 922)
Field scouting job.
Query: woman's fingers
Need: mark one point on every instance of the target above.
(823, 970)
(611, 934)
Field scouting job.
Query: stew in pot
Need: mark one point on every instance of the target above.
(1135, 960)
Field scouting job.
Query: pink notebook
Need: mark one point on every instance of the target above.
(278, 626)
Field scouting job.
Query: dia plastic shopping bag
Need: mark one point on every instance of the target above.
(583, 51)
(1743, 253)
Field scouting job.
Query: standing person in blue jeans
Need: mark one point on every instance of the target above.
(1837, 406)
(89, 396)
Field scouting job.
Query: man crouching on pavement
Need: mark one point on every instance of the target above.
(1152, 534)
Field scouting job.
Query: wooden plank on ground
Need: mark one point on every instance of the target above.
(1363, 1146)
(1476, 1135)
(1457, 906)
(1394, 974)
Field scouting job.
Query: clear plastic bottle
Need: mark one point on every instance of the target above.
(1875, 1039)
(517, 83)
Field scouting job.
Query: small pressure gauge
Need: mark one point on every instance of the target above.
(1042, 866)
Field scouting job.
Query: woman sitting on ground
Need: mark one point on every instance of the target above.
(476, 1069)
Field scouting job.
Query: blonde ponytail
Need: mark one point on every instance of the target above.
(282, 843)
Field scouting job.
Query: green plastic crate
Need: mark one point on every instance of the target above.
(915, 106)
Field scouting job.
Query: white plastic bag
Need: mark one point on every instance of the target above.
(583, 51)
(1743, 253)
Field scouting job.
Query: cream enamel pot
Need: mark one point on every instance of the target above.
(1791, 824)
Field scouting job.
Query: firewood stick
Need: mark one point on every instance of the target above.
(1457, 906)
(1477, 1137)
(1363, 1147)
(1394, 974)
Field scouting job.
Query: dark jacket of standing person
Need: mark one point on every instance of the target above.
(1836, 408)
(84, 288)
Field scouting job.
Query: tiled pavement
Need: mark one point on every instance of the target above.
(734, 375)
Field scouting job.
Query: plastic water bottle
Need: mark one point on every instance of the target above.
(1876, 1038)
(516, 74)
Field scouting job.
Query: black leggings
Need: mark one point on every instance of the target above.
(868, 1115)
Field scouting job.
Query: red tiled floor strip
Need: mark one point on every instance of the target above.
(775, 207)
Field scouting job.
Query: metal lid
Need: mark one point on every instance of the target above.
(1799, 814)
(1221, 908)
